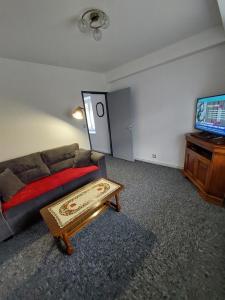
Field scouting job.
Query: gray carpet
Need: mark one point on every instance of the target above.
(165, 244)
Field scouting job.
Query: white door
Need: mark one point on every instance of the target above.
(97, 121)
(120, 108)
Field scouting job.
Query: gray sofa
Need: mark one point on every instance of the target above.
(49, 164)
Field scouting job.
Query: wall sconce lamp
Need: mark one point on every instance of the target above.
(78, 113)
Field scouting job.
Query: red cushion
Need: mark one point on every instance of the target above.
(41, 186)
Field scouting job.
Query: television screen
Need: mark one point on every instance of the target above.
(210, 114)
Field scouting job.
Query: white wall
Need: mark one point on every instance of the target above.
(35, 104)
(163, 100)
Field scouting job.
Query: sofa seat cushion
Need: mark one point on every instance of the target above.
(41, 186)
(70, 174)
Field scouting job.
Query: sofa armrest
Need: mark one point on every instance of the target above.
(5, 229)
(98, 159)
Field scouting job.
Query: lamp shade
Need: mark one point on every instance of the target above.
(77, 113)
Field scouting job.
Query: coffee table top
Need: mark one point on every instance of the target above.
(82, 202)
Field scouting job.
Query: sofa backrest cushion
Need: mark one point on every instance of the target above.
(27, 168)
(60, 158)
(10, 184)
(82, 158)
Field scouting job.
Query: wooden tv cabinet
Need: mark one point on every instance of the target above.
(205, 167)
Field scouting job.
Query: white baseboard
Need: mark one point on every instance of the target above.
(159, 163)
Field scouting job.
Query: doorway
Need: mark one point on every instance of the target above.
(96, 112)
(109, 122)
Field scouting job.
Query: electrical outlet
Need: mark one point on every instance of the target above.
(153, 155)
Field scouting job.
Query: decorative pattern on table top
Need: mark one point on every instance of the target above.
(73, 205)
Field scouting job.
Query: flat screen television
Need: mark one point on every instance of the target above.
(210, 114)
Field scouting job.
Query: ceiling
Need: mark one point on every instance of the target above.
(45, 31)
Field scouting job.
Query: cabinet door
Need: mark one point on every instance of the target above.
(190, 162)
(201, 170)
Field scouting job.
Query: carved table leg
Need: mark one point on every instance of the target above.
(69, 246)
(118, 207)
(115, 205)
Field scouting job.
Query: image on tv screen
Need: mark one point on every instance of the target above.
(210, 114)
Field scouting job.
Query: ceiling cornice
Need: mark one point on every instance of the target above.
(206, 39)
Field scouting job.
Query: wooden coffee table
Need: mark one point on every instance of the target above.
(70, 214)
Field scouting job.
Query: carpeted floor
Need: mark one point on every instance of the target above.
(165, 244)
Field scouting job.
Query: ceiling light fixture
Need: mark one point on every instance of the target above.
(94, 20)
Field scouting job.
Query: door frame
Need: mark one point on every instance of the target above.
(108, 121)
